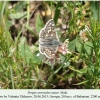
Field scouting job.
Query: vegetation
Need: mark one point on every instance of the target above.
(21, 65)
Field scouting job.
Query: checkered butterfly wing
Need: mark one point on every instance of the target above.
(46, 36)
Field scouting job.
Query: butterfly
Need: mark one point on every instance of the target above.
(48, 40)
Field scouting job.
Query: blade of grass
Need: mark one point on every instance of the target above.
(12, 80)
(72, 68)
(81, 82)
(57, 11)
(3, 8)
(28, 11)
(94, 10)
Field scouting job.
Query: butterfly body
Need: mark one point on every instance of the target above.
(48, 40)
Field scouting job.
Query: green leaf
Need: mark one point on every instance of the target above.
(78, 45)
(66, 64)
(39, 23)
(24, 50)
(62, 57)
(36, 59)
(71, 45)
(88, 47)
(9, 23)
(75, 44)
(17, 15)
(25, 53)
(20, 6)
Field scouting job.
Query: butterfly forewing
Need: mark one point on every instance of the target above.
(50, 29)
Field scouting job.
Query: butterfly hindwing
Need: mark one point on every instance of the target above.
(49, 52)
